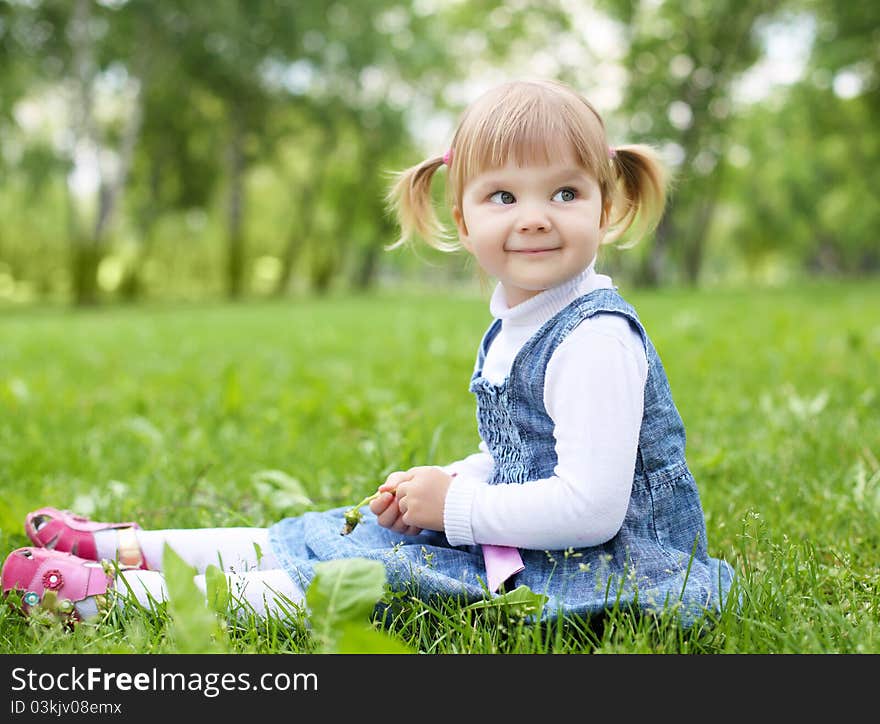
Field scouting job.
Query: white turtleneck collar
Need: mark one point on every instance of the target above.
(537, 310)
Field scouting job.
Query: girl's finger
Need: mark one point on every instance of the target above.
(399, 526)
(378, 506)
(388, 517)
(393, 480)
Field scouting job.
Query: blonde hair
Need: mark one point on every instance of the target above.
(526, 122)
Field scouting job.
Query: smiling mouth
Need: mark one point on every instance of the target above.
(535, 251)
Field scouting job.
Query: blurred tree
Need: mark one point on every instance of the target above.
(11, 85)
(847, 39)
(337, 81)
(27, 166)
(367, 70)
(63, 44)
(812, 157)
(223, 48)
(682, 58)
(253, 139)
(843, 112)
(83, 34)
(319, 67)
(176, 166)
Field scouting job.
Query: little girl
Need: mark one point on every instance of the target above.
(580, 489)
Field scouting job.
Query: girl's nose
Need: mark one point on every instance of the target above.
(534, 220)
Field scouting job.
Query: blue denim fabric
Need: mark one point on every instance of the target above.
(659, 557)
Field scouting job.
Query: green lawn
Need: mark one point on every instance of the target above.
(171, 416)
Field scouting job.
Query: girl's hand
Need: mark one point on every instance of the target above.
(386, 508)
(420, 497)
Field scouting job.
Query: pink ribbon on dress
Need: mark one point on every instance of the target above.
(501, 562)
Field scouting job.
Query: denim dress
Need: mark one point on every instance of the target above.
(658, 559)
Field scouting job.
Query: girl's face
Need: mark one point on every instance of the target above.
(531, 227)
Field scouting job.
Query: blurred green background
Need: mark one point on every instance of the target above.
(180, 149)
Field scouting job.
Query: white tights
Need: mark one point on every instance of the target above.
(253, 574)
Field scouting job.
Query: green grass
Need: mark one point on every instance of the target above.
(166, 415)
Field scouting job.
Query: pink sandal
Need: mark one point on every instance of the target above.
(35, 571)
(61, 530)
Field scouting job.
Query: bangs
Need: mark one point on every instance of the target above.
(529, 123)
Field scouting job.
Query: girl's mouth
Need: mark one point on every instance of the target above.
(534, 252)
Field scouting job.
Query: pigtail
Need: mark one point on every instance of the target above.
(409, 199)
(640, 196)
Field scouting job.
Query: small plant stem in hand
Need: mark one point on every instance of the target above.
(353, 516)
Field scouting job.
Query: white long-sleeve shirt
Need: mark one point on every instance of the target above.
(594, 393)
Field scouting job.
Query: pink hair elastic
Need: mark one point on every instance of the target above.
(447, 157)
(611, 152)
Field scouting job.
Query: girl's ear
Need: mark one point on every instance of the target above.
(458, 218)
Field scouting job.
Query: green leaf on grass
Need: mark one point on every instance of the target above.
(217, 588)
(194, 626)
(521, 602)
(360, 639)
(343, 591)
(145, 430)
(281, 490)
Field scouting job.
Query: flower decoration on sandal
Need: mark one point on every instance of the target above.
(53, 579)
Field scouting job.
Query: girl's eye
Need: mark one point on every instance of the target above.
(502, 197)
(565, 194)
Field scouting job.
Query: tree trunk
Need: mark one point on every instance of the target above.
(328, 261)
(83, 257)
(322, 271)
(300, 231)
(111, 190)
(132, 287)
(304, 220)
(695, 247)
(364, 274)
(235, 238)
(88, 248)
(365, 271)
(367, 262)
(652, 271)
(84, 260)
